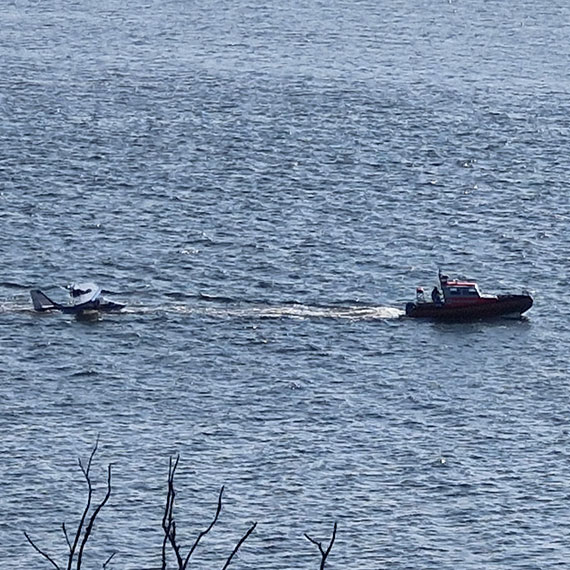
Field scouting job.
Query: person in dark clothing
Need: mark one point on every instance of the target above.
(435, 296)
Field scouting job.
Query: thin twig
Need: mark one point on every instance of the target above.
(205, 532)
(44, 554)
(168, 523)
(96, 512)
(238, 545)
(83, 532)
(64, 528)
(324, 553)
(85, 472)
(108, 560)
(167, 509)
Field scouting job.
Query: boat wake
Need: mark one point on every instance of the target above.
(247, 311)
(296, 311)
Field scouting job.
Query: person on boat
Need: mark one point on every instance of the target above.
(436, 296)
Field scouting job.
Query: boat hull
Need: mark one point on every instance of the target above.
(484, 308)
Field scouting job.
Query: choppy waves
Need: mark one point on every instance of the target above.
(265, 186)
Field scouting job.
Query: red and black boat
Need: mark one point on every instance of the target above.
(463, 301)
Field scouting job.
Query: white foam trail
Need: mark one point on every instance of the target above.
(291, 311)
(308, 312)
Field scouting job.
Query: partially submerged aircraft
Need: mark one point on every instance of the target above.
(84, 297)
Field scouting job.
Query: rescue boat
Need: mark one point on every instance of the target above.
(463, 301)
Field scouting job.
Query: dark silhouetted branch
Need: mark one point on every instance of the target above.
(205, 532)
(169, 524)
(44, 554)
(238, 545)
(324, 553)
(85, 472)
(96, 512)
(64, 528)
(108, 560)
(83, 532)
(76, 544)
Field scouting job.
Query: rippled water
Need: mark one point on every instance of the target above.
(265, 185)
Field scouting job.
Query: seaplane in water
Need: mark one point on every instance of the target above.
(84, 298)
(463, 301)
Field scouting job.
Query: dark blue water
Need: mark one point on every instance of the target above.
(265, 185)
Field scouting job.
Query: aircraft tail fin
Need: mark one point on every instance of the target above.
(42, 302)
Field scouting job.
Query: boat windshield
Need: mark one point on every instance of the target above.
(461, 292)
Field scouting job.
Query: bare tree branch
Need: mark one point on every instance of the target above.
(108, 560)
(168, 523)
(238, 545)
(205, 532)
(64, 528)
(96, 512)
(324, 553)
(85, 472)
(83, 532)
(44, 554)
(76, 546)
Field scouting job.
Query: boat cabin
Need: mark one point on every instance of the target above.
(461, 291)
